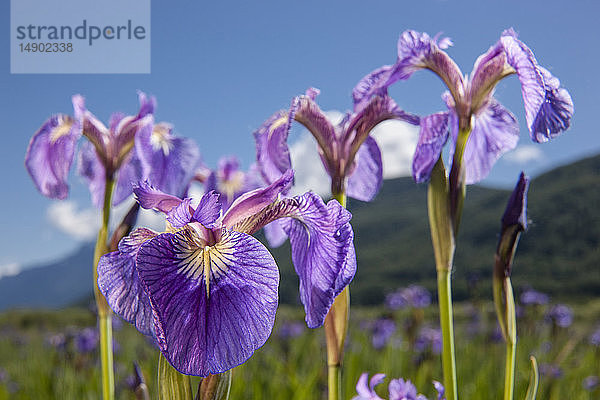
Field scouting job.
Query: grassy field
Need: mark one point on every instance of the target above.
(50, 355)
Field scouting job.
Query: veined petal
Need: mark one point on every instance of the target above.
(489, 68)
(119, 282)
(371, 85)
(310, 115)
(50, 155)
(432, 138)
(92, 170)
(130, 126)
(272, 151)
(365, 180)
(548, 108)
(152, 198)
(208, 210)
(275, 234)
(321, 239)
(379, 109)
(92, 128)
(180, 215)
(251, 203)
(417, 51)
(495, 131)
(213, 306)
(130, 172)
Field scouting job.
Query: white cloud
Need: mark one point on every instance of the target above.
(10, 269)
(396, 139)
(525, 154)
(82, 225)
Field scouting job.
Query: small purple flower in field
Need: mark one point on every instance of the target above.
(398, 389)
(291, 329)
(591, 383)
(350, 156)
(551, 371)
(366, 391)
(382, 331)
(414, 296)
(207, 289)
(472, 107)
(3, 375)
(533, 297)
(58, 341)
(429, 339)
(86, 340)
(595, 338)
(561, 315)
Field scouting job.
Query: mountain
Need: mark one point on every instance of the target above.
(559, 254)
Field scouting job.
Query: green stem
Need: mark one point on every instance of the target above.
(447, 325)
(509, 377)
(336, 326)
(442, 237)
(104, 312)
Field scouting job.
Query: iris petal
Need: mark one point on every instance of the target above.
(119, 282)
(50, 155)
(152, 198)
(372, 84)
(92, 170)
(209, 319)
(495, 131)
(366, 178)
(548, 108)
(432, 137)
(272, 151)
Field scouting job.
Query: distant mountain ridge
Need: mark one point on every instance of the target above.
(559, 254)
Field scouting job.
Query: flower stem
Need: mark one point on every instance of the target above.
(447, 325)
(442, 237)
(336, 326)
(104, 312)
(509, 377)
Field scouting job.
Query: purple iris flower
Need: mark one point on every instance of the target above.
(351, 157)
(230, 181)
(86, 340)
(207, 290)
(595, 338)
(472, 107)
(551, 371)
(591, 382)
(51, 150)
(383, 329)
(533, 297)
(399, 389)
(429, 339)
(561, 315)
(291, 329)
(412, 296)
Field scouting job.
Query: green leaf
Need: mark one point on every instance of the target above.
(533, 380)
(215, 387)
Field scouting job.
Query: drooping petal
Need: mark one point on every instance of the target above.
(495, 131)
(152, 198)
(367, 392)
(433, 135)
(119, 282)
(214, 306)
(321, 240)
(373, 84)
(251, 203)
(50, 155)
(366, 178)
(548, 107)
(272, 151)
(130, 126)
(516, 209)
(417, 51)
(92, 128)
(92, 170)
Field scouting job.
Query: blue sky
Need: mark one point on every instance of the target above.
(220, 68)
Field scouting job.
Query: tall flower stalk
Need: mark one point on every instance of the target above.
(353, 161)
(481, 130)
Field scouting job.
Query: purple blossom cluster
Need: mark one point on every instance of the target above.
(413, 296)
(560, 315)
(398, 389)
